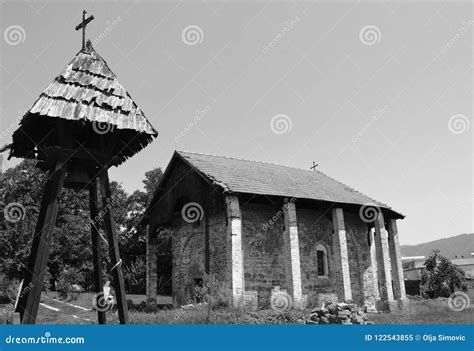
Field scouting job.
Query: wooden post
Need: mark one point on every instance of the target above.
(151, 264)
(96, 252)
(207, 258)
(28, 303)
(113, 248)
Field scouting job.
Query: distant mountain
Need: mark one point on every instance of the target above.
(461, 245)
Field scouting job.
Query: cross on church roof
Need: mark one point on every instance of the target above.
(82, 26)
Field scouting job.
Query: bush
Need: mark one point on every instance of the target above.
(68, 277)
(10, 292)
(135, 276)
(441, 277)
(214, 292)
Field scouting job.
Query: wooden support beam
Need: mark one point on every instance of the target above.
(96, 245)
(28, 303)
(151, 264)
(114, 253)
(207, 255)
(88, 157)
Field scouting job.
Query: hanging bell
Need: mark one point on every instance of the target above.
(77, 178)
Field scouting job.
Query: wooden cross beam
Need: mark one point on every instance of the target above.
(82, 25)
(314, 166)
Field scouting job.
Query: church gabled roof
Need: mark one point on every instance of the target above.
(234, 175)
(86, 91)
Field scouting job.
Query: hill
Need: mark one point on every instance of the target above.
(460, 245)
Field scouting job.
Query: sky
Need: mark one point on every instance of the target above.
(378, 94)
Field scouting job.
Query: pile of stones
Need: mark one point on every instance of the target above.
(338, 313)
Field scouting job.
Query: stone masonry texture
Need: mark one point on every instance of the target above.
(264, 256)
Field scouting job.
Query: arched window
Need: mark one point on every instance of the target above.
(322, 261)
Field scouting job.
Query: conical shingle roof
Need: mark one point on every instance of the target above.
(85, 92)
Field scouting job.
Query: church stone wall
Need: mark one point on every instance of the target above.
(360, 268)
(188, 258)
(188, 247)
(264, 259)
(314, 228)
(264, 265)
(219, 267)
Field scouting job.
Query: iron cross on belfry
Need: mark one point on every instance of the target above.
(83, 25)
(314, 166)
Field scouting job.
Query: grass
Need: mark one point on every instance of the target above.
(68, 314)
(199, 315)
(419, 311)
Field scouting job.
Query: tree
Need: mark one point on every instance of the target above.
(151, 181)
(441, 277)
(23, 185)
(68, 277)
(20, 189)
(71, 245)
(133, 235)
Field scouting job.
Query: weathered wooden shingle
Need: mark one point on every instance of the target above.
(89, 82)
(85, 91)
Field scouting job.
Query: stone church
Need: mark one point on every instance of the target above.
(260, 228)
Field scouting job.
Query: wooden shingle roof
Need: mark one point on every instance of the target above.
(85, 91)
(252, 177)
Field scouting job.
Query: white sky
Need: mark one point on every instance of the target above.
(319, 73)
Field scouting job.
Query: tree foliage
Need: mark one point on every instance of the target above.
(71, 244)
(68, 277)
(441, 277)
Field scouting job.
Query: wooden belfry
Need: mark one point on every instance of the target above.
(81, 125)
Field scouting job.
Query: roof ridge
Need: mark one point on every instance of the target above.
(297, 168)
(243, 159)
